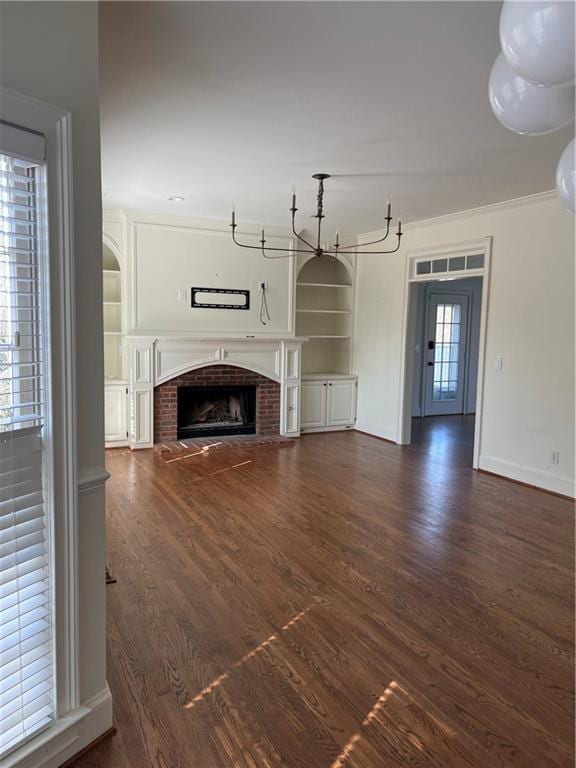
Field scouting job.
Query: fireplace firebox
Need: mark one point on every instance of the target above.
(216, 411)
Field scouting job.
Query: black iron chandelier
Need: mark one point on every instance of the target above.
(334, 250)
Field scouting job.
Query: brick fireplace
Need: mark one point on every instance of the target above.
(211, 377)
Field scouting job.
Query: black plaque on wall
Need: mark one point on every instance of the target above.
(224, 298)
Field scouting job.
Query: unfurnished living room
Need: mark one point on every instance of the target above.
(287, 391)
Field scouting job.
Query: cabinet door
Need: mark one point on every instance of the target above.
(341, 403)
(115, 413)
(312, 404)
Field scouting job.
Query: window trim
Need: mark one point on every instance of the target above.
(57, 224)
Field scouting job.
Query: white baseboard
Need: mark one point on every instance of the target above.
(311, 430)
(541, 479)
(376, 430)
(69, 735)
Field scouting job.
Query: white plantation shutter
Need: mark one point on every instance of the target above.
(27, 701)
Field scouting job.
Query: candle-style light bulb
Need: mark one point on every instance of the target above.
(389, 210)
(233, 217)
(399, 228)
(262, 234)
(293, 201)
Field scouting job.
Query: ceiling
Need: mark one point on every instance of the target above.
(233, 103)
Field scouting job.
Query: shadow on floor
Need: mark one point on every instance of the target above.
(445, 438)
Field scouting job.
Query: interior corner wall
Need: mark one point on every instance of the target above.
(49, 50)
(528, 407)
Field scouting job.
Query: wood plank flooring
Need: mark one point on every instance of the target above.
(342, 603)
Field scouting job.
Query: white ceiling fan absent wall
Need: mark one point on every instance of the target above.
(233, 103)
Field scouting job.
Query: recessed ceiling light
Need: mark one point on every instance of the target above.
(176, 199)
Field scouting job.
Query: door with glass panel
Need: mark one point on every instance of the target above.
(445, 353)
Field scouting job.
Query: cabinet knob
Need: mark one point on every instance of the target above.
(330, 383)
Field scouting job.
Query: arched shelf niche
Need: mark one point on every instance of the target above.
(112, 310)
(324, 306)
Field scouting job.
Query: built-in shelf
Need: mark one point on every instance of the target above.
(111, 272)
(324, 314)
(328, 375)
(323, 285)
(330, 336)
(325, 311)
(112, 303)
(112, 333)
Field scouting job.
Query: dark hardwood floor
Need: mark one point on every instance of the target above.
(339, 603)
(447, 439)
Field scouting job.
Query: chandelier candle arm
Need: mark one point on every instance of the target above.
(320, 249)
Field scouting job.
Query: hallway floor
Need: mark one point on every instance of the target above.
(445, 438)
(341, 603)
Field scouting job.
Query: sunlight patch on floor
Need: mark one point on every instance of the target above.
(196, 453)
(250, 655)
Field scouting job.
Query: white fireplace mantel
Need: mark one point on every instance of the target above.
(156, 359)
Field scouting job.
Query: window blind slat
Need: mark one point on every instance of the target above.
(26, 655)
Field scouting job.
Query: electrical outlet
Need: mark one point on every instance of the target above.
(555, 457)
(498, 364)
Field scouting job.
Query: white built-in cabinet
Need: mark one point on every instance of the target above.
(327, 403)
(324, 313)
(116, 412)
(116, 385)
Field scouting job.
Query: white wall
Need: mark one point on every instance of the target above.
(529, 404)
(50, 51)
(170, 254)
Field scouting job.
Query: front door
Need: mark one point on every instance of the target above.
(445, 353)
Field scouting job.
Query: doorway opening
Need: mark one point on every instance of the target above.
(445, 322)
(445, 369)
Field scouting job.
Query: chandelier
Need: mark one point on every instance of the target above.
(320, 249)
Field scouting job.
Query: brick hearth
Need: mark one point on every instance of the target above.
(166, 398)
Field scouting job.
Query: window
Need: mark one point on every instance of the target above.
(443, 265)
(27, 699)
(446, 351)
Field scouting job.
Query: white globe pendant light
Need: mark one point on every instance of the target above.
(566, 177)
(537, 39)
(524, 107)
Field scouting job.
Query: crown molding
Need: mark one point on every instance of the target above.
(517, 202)
(504, 205)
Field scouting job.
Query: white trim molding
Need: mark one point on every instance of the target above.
(482, 246)
(92, 480)
(69, 735)
(77, 723)
(548, 481)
